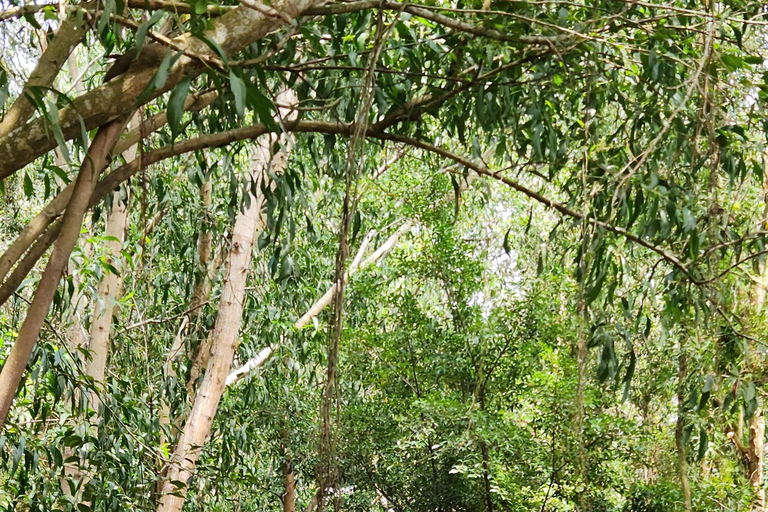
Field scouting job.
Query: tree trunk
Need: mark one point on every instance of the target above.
(289, 480)
(755, 456)
(93, 163)
(682, 464)
(756, 449)
(198, 424)
(582, 359)
(480, 398)
(207, 269)
(108, 292)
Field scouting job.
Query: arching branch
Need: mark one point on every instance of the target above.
(232, 32)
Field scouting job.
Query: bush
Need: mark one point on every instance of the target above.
(660, 497)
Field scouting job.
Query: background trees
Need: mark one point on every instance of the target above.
(548, 219)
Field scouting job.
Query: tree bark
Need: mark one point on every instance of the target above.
(108, 293)
(756, 448)
(207, 268)
(755, 457)
(93, 163)
(480, 397)
(98, 342)
(124, 172)
(56, 206)
(288, 497)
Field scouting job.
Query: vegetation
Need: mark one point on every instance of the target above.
(375, 255)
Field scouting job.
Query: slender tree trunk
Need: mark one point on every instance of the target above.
(200, 419)
(486, 475)
(755, 457)
(108, 293)
(417, 388)
(98, 342)
(480, 397)
(756, 448)
(208, 266)
(289, 480)
(94, 162)
(682, 463)
(582, 359)
(202, 290)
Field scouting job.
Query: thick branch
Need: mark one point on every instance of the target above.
(347, 7)
(23, 10)
(232, 32)
(250, 132)
(193, 103)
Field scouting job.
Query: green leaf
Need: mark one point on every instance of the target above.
(706, 391)
(111, 268)
(213, 45)
(32, 21)
(58, 171)
(52, 113)
(703, 443)
(141, 32)
(239, 91)
(29, 190)
(201, 6)
(287, 269)
(733, 63)
(161, 75)
(456, 195)
(627, 380)
(176, 105)
(162, 71)
(357, 222)
(264, 108)
(507, 248)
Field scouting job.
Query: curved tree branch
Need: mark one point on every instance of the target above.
(232, 32)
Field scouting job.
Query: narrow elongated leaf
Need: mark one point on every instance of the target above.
(141, 32)
(238, 90)
(176, 105)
